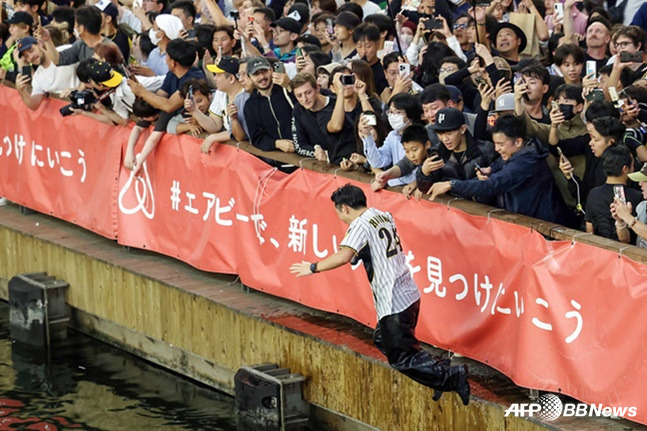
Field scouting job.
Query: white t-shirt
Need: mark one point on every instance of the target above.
(53, 79)
(123, 99)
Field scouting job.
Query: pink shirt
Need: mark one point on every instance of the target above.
(579, 22)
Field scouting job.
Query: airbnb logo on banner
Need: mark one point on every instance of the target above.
(138, 188)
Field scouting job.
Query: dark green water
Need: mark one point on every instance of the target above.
(89, 385)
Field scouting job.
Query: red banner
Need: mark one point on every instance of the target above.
(63, 166)
(551, 315)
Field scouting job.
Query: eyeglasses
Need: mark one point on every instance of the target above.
(446, 69)
(460, 26)
(623, 45)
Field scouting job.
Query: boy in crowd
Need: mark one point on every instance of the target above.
(197, 98)
(617, 162)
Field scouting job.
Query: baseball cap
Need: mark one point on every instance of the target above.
(21, 18)
(329, 67)
(448, 119)
(639, 176)
(288, 24)
(227, 64)
(520, 34)
(348, 20)
(107, 7)
(299, 12)
(257, 63)
(25, 43)
(102, 73)
(455, 94)
(504, 102)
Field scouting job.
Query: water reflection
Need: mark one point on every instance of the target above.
(88, 385)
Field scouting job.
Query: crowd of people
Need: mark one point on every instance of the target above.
(535, 106)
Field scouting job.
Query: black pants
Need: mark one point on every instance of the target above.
(396, 339)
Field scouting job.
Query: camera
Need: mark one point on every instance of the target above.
(234, 15)
(347, 79)
(80, 100)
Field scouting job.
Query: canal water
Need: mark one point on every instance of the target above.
(89, 385)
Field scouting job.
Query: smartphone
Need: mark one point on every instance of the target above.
(434, 24)
(591, 68)
(371, 120)
(330, 26)
(404, 68)
(554, 105)
(517, 77)
(478, 168)
(559, 11)
(190, 94)
(561, 153)
(636, 57)
(348, 79)
(279, 67)
(299, 52)
(595, 95)
(619, 192)
(26, 70)
(480, 80)
(483, 3)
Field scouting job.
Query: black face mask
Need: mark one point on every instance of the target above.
(567, 110)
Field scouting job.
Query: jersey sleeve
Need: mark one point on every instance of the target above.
(356, 238)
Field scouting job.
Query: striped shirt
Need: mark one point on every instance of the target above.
(374, 239)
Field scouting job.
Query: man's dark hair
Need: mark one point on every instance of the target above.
(615, 158)
(459, 62)
(566, 50)
(64, 14)
(610, 128)
(537, 71)
(601, 109)
(204, 36)
(322, 17)
(435, 92)
(310, 40)
(329, 6)
(391, 57)
(90, 18)
(633, 32)
(199, 86)
(382, 22)
(409, 104)
(352, 8)
(349, 195)
(182, 52)
(267, 12)
(569, 91)
(319, 59)
(143, 109)
(511, 126)
(187, 7)
(38, 3)
(415, 133)
(635, 92)
(606, 70)
(366, 31)
(83, 69)
(164, 4)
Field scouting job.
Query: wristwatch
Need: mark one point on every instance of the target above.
(452, 183)
(313, 268)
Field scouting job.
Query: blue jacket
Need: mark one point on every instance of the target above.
(269, 118)
(524, 184)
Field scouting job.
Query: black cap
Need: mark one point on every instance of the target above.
(520, 34)
(448, 119)
(21, 18)
(348, 20)
(299, 12)
(288, 24)
(227, 64)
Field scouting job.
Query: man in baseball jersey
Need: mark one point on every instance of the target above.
(372, 237)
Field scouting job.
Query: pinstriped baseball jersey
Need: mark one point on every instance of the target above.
(373, 238)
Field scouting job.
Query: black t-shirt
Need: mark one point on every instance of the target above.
(379, 77)
(342, 144)
(599, 63)
(123, 43)
(599, 213)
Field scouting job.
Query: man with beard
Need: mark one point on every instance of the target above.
(268, 110)
(48, 78)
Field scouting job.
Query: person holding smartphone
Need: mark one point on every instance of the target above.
(623, 213)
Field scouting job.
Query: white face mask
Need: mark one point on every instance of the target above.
(76, 33)
(406, 39)
(153, 36)
(456, 2)
(396, 121)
